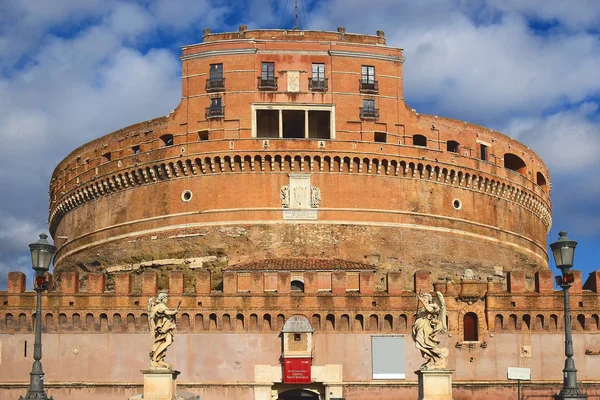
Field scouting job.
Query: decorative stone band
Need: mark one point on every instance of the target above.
(408, 168)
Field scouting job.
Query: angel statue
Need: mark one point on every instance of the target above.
(162, 325)
(431, 320)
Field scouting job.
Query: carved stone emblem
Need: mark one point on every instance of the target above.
(293, 81)
(299, 198)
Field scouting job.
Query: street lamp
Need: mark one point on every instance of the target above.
(41, 255)
(563, 251)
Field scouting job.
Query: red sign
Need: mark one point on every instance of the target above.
(296, 370)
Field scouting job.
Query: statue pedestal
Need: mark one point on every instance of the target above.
(435, 384)
(161, 384)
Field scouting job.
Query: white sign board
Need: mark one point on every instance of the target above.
(523, 374)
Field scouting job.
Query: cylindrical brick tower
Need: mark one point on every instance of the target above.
(300, 144)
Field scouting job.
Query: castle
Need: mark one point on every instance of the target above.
(295, 204)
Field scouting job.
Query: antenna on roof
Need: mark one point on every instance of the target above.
(296, 26)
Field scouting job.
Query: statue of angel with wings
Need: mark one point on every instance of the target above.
(161, 321)
(431, 320)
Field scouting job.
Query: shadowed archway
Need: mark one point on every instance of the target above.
(298, 394)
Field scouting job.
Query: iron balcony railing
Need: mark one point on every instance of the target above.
(215, 84)
(215, 112)
(317, 85)
(267, 84)
(369, 113)
(368, 86)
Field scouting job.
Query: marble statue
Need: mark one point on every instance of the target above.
(161, 320)
(315, 196)
(431, 320)
(285, 196)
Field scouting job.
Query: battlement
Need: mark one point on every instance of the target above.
(339, 300)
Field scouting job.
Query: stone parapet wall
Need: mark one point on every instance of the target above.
(337, 310)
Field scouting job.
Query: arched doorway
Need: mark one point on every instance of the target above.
(298, 394)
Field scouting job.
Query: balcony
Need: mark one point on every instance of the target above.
(317, 85)
(267, 84)
(369, 113)
(215, 85)
(215, 112)
(368, 87)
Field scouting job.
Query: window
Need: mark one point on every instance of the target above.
(105, 157)
(290, 122)
(483, 152)
(203, 135)
(515, 163)
(297, 286)
(297, 337)
(216, 109)
(135, 149)
(419, 140)
(452, 146)
(541, 181)
(267, 78)
(318, 82)
(166, 140)
(380, 137)
(216, 71)
(368, 74)
(470, 327)
(368, 84)
(368, 109)
(215, 82)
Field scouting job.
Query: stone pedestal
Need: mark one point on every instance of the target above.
(161, 384)
(435, 384)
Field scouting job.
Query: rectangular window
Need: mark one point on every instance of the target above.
(215, 103)
(216, 109)
(380, 137)
(216, 71)
(388, 357)
(318, 72)
(483, 152)
(368, 74)
(268, 71)
(368, 104)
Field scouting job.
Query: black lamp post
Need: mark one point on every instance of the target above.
(563, 251)
(41, 256)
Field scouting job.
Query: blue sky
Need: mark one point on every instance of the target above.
(71, 71)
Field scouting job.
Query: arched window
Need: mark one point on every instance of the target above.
(581, 321)
(470, 324)
(515, 163)
(541, 181)
(166, 140)
(452, 146)
(297, 286)
(419, 140)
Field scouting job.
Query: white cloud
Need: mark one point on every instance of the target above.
(567, 141)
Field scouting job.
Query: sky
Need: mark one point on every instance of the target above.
(72, 71)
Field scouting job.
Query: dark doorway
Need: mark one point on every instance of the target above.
(298, 394)
(470, 327)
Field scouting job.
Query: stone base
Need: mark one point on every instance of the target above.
(161, 384)
(435, 384)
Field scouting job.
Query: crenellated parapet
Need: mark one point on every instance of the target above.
(336, 300)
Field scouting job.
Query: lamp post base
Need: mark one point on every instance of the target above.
(570, 394)
(36, 396)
